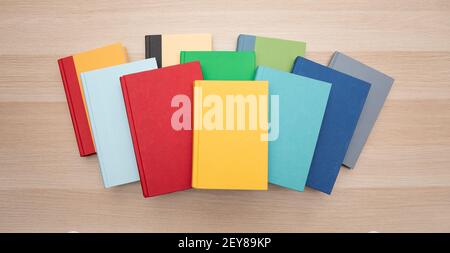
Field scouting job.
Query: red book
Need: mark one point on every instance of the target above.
(163, 154)
(76, 106)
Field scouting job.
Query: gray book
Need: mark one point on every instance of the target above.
(380, 86)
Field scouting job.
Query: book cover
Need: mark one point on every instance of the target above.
(380, 86)
(153, 101)
(166, 48)
(345, 103)
(302, 103)
(229, 152)
(70, 68)
(272, 52)
(109, 121)
(223, 65)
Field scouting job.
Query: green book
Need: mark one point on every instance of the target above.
(223, 65)
(271, 52)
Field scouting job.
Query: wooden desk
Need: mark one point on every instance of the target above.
(402, 180)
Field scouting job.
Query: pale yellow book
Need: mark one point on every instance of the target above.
(166, 48)
(230, 122)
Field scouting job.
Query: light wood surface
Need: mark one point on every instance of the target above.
(401, 182)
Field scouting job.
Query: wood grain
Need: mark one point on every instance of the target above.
(401, 182)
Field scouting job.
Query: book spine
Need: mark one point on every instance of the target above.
(182, 54)
(153, 48)
(76, 106)
(134, 137)
(125, 53)
(333, 59)
(195, 141)
(240, 43)
(147, 47)
(195, 158)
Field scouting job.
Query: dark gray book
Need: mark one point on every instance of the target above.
(380, 86)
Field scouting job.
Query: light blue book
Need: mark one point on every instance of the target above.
(109, 122)
(302, 104)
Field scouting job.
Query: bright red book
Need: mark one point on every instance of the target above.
(163, 154)
(76, 106)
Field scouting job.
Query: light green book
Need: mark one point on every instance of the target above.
(270, 52)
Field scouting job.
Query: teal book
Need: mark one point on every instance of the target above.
(272, 52)
(109, 122)
(302, 103)
(223, 65)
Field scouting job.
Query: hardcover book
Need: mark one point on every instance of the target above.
(380, 86)
(302, 103)
(166, 48)
(70, 68)
(345, 103)
(154, 101)
(228, 150)
(223, 65)
(109, 121)
(271, 52)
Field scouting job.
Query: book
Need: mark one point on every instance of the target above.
(70, 68)
(153, 101)
(229, 151)
(109, 121)
(271, 52)
(166, 48)
(302, 103)
(380, 86)
(345, 103)
(223, 65)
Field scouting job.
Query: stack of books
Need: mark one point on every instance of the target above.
(190, 117)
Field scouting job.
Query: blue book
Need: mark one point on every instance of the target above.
(109, 122)
(302, 103)
(346, 101)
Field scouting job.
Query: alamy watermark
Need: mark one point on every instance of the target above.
(235, 112)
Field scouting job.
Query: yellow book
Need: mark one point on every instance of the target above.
(166, 48)
(103, 57)
(230, 122)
